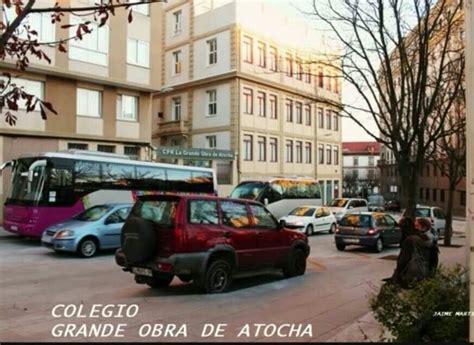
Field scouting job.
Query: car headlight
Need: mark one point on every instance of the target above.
(64, 234)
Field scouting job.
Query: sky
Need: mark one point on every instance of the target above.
(351, 131)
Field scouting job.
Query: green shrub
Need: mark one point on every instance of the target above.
(410, 315)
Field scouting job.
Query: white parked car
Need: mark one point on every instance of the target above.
(435, 214)
(342, 206)
(310, 219)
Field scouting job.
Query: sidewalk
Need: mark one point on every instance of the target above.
(365, 329)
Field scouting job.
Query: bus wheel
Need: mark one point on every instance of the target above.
(88, 247)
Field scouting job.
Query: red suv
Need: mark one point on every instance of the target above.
(208, 240)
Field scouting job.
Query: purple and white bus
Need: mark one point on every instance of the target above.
(50, 187)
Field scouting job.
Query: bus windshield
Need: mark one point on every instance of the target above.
(248, 190)
(29, 176)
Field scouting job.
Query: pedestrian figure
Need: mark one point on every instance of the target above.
(418, 258)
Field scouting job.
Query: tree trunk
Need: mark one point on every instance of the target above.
(448, 229)
(409, 182)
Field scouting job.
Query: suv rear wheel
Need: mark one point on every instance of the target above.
(340, 246)
(296, 265)
(218, 277)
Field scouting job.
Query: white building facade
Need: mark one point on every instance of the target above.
(231, 82)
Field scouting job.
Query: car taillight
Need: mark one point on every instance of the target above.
(371, 231)
(164, 267)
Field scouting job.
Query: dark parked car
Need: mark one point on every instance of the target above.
(368, 229)
(208, 240)
(393, 206)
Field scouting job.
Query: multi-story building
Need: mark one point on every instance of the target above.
(433, 184)
(232, 81)
(360, 169)
(101, 88)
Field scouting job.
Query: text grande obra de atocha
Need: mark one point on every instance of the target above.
(111, 321)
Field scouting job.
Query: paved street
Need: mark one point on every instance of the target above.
(331, 296)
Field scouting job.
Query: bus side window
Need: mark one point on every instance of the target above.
(60, 186)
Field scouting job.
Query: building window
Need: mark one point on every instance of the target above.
(176, 109)
(336, 156)
(138, 52)
(289, 65)
(299, 70)
(308, 74)
(33, 87)
(262, 111)
(262, 149)
(328, 155)
(355, 174)
(248, 101)
(299, 112)
(427, 194)
(178, 20)
(336, 121)
(262, 54)
(127, 108)
(212, 51)
(442, 196)
(77, 146)
(321, 154)
(88, 102)
(93, 48)
(289, 110)
(211, 141)
(462, 198)
(371, 161)
(177, 62)
(355, 161)
(273, 59)
(427, 171)
(273, 150)
(39, 22)
(370, 174)
(307, 112)
(308, 153)
(247, 51)
(421, 194)
(320, 79)
(248, 147)
(143, 8)
(321, 117)
(289, 151)
(328, 119)
(299, 152)
(328, 81)
(211, 103)
(435, 195)
(132, 152)
(273, 106)
(106, 148)
(335, 85)
(435, 170)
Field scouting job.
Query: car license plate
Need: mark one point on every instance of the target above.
(351, 240)
(14, 228)
(142, 271)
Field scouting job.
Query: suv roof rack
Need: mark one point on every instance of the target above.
(94, 153)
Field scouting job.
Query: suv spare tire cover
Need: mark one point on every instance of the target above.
(138, 240)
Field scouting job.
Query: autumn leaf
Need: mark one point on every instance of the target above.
(12, 105)
(62, 48)
(49, 106)
(130, 16)
(10, 118)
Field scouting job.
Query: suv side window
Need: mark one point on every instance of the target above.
(363, 203)
(235, 214)
(262, 218)
(203, 212)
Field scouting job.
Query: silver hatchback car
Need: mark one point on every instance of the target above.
(98, 227)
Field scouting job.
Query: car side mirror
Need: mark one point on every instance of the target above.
(281, 224)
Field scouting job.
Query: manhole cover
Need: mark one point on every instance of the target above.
(389, 257)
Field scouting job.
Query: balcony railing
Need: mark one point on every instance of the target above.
(173, 127)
